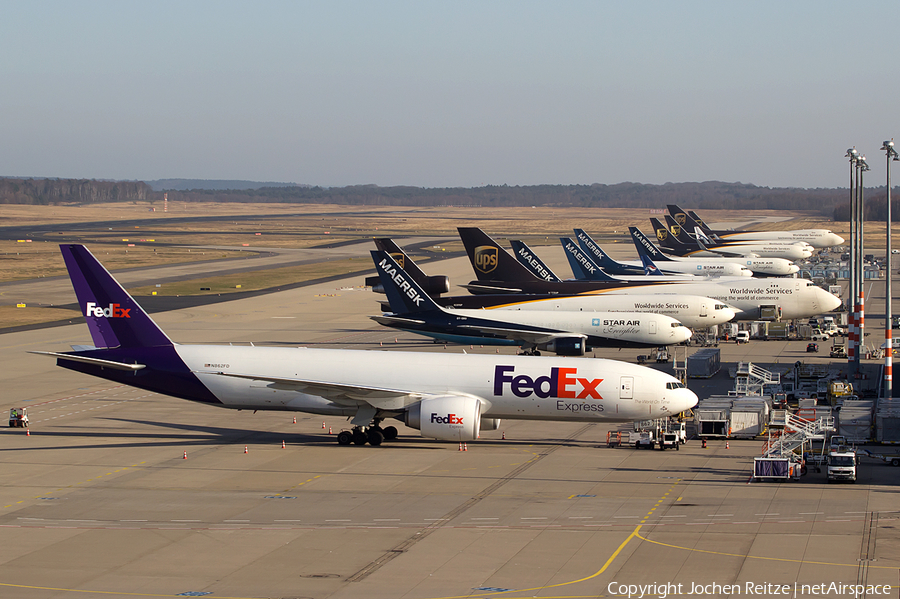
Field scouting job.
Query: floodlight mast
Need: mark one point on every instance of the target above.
(892, 156)
(861, 167)
(853, 155)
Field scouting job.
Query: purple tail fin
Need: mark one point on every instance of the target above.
(113, 317)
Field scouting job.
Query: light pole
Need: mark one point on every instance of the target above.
(861, 167)
(892, 155)
(853, 155)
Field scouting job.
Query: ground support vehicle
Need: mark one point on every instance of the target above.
(18, 417)
(613, 438)
(842, 462)
(838, 350)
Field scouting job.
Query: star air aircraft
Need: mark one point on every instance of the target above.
(447, 397)
(565, 332)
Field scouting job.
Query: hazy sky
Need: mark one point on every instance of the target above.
(454, 93)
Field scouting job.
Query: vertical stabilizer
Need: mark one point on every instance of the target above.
(601, 258)
(490, 261)
(645, 246)
(530, 260)
(403, 294)
(583, 267)
(113, 317)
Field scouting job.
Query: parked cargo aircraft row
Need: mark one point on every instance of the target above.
(451, 396)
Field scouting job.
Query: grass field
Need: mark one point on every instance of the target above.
(132, 236)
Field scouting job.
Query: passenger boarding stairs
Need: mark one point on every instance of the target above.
(750, 379)
(787, 433)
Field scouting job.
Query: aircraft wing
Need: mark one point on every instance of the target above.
(531, 337)
(351, 395)
(395, 320)
(720, 250)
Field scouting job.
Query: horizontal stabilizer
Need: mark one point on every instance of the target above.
(89, 360)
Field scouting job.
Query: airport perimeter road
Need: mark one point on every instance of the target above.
(99, 501)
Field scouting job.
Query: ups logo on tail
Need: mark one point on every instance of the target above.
(661, 234)
(680, 218)
(485, 258)
(676, 230)
(400, 259)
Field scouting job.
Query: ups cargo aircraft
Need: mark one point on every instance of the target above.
(448, 397)
(765, 266)
(818, 238)
(565, 332)
(498, 272)
(712, 267)
(673, 239)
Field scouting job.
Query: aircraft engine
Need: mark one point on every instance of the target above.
(565, 346)
(449, 417)
(490, 424)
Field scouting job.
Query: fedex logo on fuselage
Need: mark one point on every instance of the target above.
(448, 419)
(561, 382)
(113, 311)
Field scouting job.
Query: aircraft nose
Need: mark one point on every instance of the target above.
(727, 314)
(684, 400)
(829, 301)
(793, 268)
(835, 239)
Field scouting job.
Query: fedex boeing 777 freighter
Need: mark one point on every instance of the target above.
(449, 397)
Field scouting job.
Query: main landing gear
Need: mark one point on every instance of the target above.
(533, 352)
(373, 435)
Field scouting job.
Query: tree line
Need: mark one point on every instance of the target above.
(709, 195)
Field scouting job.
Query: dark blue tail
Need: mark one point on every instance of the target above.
(645, 246)
(113, 317)
(404, 295)
(583, 267)
(529, 260)
(601, 258)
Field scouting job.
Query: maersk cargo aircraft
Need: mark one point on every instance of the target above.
(449, 397)
(564, 332)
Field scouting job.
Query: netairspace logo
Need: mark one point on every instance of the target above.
(113, 311)
(797, 589)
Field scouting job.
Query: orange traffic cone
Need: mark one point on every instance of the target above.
(245, 449)
(323, 425)
(503, 436)
(329, 430)
(185, 455)
(295, 420)
(460, 446)
(27, 432)
(282, 444)
(465, 447)
(726, 444)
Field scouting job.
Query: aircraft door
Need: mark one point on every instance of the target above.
(702, 309)
(652, 327)
(626, 387)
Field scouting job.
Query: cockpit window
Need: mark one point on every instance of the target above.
(675, 325)
(675, 385)
(720, 307)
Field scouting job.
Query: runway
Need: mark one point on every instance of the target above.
(99, 500)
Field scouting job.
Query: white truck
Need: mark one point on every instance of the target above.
(841, 464)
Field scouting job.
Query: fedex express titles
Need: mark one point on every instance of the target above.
(561, 383)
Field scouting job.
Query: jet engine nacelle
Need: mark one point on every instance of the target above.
(433, 285)
(449, 417)
(490, 424)
(565, 346)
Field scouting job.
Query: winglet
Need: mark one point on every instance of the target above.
(113, 317)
